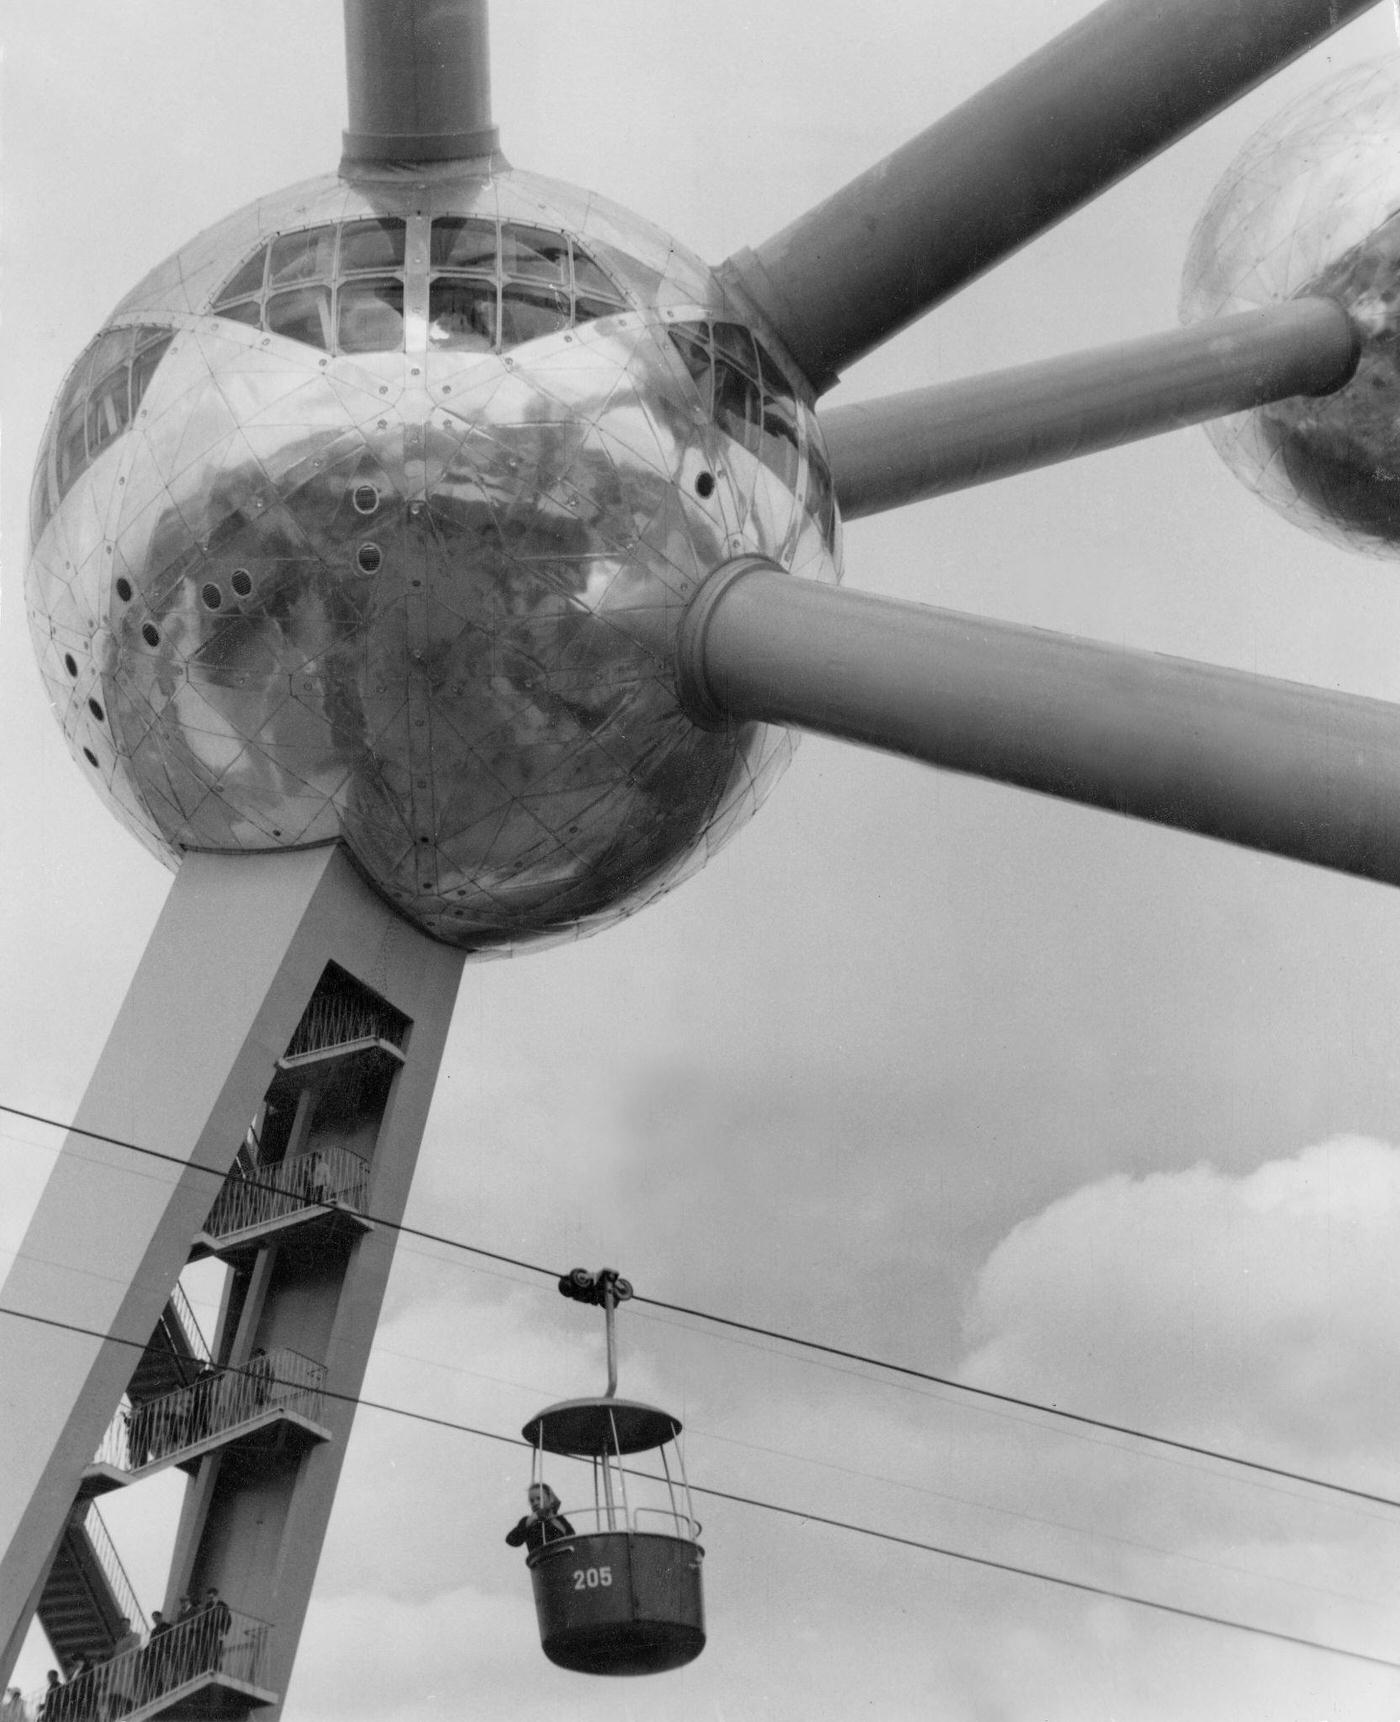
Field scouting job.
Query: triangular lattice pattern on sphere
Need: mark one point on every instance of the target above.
(422, 599)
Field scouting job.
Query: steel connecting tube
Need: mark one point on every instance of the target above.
(1124, 82)
(1278, 766)
(909, 447)
(418, 76)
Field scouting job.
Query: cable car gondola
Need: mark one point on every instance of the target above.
(617, 1589)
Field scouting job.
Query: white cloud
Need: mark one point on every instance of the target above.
(1196, 1303)
(1257, 1311)
(1251, 1313)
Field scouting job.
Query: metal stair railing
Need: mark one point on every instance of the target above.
(188, 1323)
(345, 1016)
(95, 1526)
(289, 1187)
(141, 1683)
(218, 1403)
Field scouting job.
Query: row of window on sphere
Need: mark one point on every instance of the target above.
(491, 287)
(494, 285)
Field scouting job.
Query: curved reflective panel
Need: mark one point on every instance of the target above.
(393, 541)
(1312, 206)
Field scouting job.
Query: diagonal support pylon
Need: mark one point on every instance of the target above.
(239, 951)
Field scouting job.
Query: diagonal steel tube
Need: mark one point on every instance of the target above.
(1297, 771)
(906, 448)
(418, 79)
(1088, 108)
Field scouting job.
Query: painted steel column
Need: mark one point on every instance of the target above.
(1273, 765)
(1067, 123)
(183, 1070)
(418, 76)
(906, 448)
(258, 1536)
(234, 959)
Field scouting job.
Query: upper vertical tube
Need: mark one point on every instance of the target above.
(418, 76)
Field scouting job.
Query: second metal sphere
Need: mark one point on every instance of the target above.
(1312, 207)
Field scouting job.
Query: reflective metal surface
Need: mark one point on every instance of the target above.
(1091, 105)
(421, 599)
(904, 448)
(1312, 207)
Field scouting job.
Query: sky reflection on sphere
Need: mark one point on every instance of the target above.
(1312, 207)
(390, 546)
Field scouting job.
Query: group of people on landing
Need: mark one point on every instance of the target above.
(175, 1651)
(191, 1644)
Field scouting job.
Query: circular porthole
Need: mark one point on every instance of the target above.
(242, 582)
(97, 711)
(124, 588)
(211, 595)
(705, 484)
(369, 558)
(365, 498)
(150, 633)
(70, 663)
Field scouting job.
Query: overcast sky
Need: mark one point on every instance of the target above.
(1072, 1108)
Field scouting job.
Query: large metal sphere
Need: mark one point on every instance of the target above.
(286, 588)
(1312, 206)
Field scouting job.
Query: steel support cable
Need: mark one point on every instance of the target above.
(799, 1513)
(786, 1453)
(1077, 1530)
(907, 1371)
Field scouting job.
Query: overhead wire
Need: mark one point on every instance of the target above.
(1097, 1535)
(906, 1371)
(805, 1516)
(383, 1351)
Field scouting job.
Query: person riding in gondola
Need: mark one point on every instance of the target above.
(544, 1523)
